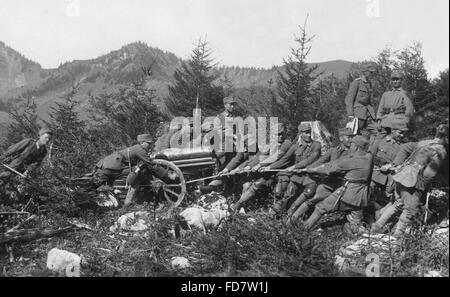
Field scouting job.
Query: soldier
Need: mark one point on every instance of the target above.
(395, 104)
(262, 159)
(384, 151)
(359, 99)
(229, 104)
(224, 157)
(417, 165)
(302, 153)
(120, 163)
(303, 204)
(26, 155)
(353, 195)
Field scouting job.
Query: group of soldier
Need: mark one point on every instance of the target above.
(305, 182)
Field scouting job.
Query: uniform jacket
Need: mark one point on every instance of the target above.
(24, 155)
(395, 105)
(300, 154)
(330, 155)
(266, 159)
(421, 161)
(356, 169)
(122, 159)
(384, 151)
(358, 101)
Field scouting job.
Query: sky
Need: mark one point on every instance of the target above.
(256, 33)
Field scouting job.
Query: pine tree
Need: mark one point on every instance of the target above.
(195, 80)
(295, 82)
(128, 112)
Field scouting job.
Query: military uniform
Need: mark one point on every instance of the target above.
(395, 105)
(354, 194)
(384, 151)
(290, 185)
(421, 162)
(263, 159)
(325, 186)
(25, 155)
(359, 102)
(223, 156)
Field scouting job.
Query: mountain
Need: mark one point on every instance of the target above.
(20, 77)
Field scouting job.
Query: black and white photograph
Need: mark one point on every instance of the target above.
(223, 146)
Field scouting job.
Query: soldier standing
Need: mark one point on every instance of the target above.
(325, 188)
(354, 194)
(395, 104)
(359, 99)
(26, 155)
(224, 157)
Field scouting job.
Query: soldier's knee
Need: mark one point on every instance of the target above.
(309, 191)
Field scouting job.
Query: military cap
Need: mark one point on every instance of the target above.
(346, 132)
(361, 141)
(229, 99)
(369, 66)
(45, 131)
(304, 127)
(145, 138)
(396, 74)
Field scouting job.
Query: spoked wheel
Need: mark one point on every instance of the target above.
(174, 193)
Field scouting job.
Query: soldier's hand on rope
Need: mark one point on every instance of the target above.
(386, 168)
(223, 172)
(256, 168)
(263, 168)
(290, 169)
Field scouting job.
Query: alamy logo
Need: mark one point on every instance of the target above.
(373, 8)
(73, 8)
(373, 268)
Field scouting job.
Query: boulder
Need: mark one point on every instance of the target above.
(64, 262)
(132, 222)
(180, 263)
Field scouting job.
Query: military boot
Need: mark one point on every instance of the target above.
(386, 214)
(312, 220)
(297, 203)
(247, 195)
(300, 212)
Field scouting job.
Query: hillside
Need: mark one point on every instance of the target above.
(20, 77)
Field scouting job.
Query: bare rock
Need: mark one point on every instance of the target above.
(64, 262)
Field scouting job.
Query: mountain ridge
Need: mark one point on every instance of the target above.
(21, 77)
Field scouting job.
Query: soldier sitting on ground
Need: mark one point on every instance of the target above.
(303, 152)
(416, 165)
(354, 194)
(384, 151)
(262, 159)
(25, 156)
(326, 186)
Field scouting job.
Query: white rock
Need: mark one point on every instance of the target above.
(107, 200)
(180, 262)
(340, 262)
(134, 221)
(202, 218)
(433, 273)
(64, 262)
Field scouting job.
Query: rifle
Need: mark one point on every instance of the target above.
(15, 171)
